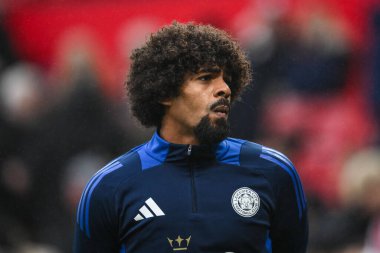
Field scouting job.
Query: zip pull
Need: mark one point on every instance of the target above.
(189, 150)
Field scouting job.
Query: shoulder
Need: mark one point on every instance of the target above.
(98, 196)
(104, 183)
(254, 154)
(257, 157)
(230, 151)
(249, 154)
(278, 169)
(123, 166)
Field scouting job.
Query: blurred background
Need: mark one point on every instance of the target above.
(64, 114)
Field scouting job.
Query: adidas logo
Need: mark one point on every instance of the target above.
(150, 209)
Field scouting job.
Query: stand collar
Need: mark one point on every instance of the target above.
(164, 151)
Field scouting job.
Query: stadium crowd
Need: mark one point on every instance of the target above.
(315, 97)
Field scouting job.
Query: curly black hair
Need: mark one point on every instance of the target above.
(159, 67)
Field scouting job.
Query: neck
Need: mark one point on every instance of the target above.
(173, 133)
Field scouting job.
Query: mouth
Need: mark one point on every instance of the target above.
(221, 111)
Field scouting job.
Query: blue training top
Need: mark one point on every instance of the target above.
(236, 197)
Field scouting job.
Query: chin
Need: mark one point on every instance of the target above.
(211, 131)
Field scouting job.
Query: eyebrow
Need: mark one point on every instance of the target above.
(209, 70)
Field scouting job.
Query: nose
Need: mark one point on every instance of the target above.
(222, 89)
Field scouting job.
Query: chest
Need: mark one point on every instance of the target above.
(215, 208)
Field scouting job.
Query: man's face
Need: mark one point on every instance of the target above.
(202, 107)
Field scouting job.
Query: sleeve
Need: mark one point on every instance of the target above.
(289, 232)
(289, 228)
(96, 227)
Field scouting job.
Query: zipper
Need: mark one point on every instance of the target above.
(194, 206)
(193, 191)
(189, 150)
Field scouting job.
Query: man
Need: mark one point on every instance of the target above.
(190, 188)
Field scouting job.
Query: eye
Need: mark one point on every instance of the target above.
(206, 77)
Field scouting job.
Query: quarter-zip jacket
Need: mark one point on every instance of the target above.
(236, 196)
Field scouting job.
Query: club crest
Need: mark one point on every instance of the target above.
(245, 201)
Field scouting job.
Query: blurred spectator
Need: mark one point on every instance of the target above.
(23, 100)
(268, 43)
(80, 121)
(22, 106)
(318, 62)
(354, 227)
(309, 57)
(360, 187)
(341, 231)
(318, 134)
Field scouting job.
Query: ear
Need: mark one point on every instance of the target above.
(166, 102)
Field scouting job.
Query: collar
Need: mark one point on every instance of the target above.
(164, 151)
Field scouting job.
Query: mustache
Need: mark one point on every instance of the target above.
(222, 101)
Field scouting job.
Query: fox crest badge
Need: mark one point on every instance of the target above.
(245, 202)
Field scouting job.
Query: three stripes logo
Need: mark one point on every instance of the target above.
(282, 161)
(148, 210)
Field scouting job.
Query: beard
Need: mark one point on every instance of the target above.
(209, 133)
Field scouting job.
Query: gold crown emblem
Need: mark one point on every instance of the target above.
(179, 243)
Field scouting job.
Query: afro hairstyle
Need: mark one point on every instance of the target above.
(159, 67)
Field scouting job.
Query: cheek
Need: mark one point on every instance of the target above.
(199, 106)
(192, 110)
(195, 103)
